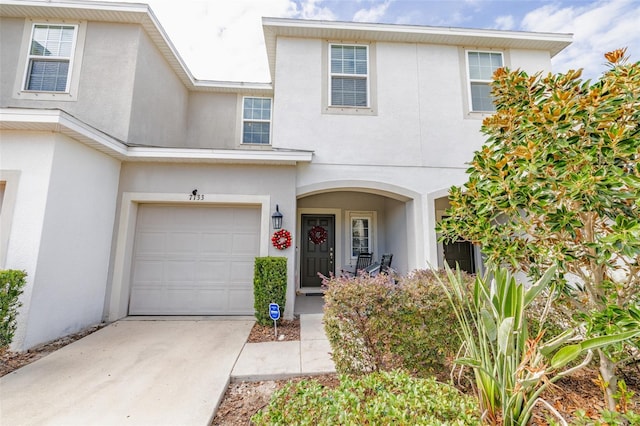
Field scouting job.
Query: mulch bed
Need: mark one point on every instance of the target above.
(243, 399)
(287, 330)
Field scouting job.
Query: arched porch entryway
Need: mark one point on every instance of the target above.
(350, 220)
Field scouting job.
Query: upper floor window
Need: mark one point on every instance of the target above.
(349, 71)
(50, 58)
(481, 66)
(256, 120)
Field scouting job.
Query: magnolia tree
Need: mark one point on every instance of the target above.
(558, 183)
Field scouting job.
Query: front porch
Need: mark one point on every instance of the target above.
(334, 226)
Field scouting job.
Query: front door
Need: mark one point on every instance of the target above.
(460, 253)
(318, 249)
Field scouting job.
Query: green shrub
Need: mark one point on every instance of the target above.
(269, 286)
(374, 324)
(11, 284)
(384, 398)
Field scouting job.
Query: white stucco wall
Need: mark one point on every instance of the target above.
(416, 140)
(32, 155)
(158, 100)
(61, 232)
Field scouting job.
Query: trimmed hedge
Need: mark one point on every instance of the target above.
(374, 324)
(11, 285)
(386, 398)
(269, 286)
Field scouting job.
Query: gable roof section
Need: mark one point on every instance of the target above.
(354, 31)
(130, 13)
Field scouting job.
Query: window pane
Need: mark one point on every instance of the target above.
(37, 48)
(349, 60)
(481, 99)
(52, 40)
(359, 236)
(348, 91)
(256, 132)
(256, 109)
(483, 64)
(49, 76)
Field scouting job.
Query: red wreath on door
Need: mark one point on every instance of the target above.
(281, 239)
(318, 235)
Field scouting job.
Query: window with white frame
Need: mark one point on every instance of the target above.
(481, 66)
(349, 75)
(50, 58)
(256, 120)
(361, 233)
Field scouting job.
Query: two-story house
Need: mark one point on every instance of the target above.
(128, 187)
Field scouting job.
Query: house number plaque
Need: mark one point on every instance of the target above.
(194, 196)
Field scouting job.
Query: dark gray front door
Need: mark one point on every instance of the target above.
(316, 256)
(460, 252)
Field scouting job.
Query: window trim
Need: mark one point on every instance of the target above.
(470, 81)
(372, 217)
(31, 57)
(244, 120)
(75, 62)
(366, 77)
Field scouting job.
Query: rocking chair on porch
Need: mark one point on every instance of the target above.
(384, 267)
(364, 260)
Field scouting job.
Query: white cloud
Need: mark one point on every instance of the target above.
(598, 28)
(372, 14)
(221, 39)
(505, 22)
(310, 10)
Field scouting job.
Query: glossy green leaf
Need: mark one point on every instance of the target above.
(565, 355)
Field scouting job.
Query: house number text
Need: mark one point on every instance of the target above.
(194, 196)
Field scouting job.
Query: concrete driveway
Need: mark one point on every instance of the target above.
(129, 373)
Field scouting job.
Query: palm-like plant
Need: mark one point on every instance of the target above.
(510, 368)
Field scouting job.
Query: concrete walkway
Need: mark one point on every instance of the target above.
(277, 360)
(154, 372)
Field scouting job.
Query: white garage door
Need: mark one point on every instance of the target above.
(194, 260)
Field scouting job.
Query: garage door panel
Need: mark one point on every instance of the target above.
(151, 242)
(148, 271)
(213, 271)
(244, 244)
(242, 271)
(183, 242)
(238, 301)
(212, 298)
(246, 218)
(178, 271)
(147, 299)
(194, 260)
(216, 243)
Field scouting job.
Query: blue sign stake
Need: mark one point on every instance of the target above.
(274, 313)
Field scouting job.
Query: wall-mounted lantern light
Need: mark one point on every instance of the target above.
(276, 218)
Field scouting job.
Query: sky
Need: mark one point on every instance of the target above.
(223, 40)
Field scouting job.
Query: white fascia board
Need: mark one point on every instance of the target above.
(61, 122)
(218, 155)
